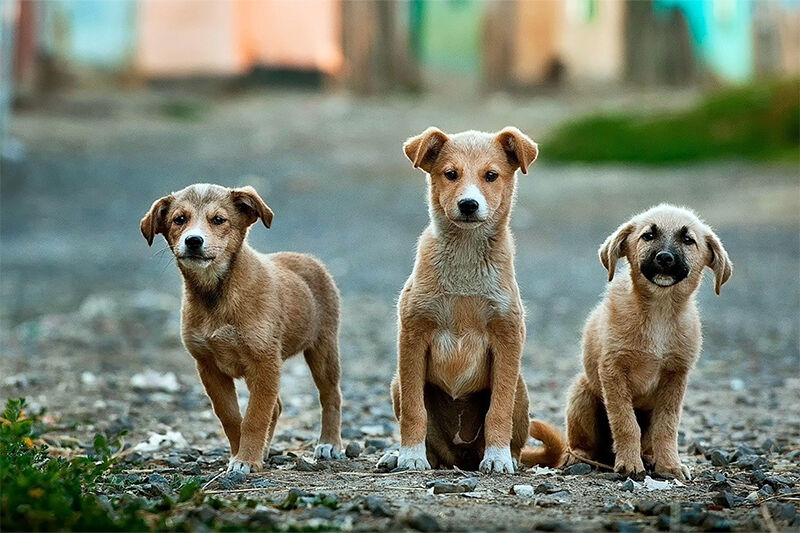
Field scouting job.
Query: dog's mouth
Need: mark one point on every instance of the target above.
(662, 277)
(467, 222)
(196, 259)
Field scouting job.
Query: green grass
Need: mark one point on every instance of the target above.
(760, 122)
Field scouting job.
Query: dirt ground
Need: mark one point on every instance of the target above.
(90, 322)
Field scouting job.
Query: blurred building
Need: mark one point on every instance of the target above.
(373, 46)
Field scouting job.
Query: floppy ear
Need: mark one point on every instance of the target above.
(155, 221)
(423, 149)
(718, 261)
(519, 148)
(614, 248)
(247, 200)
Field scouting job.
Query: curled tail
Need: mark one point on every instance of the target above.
(554, 450)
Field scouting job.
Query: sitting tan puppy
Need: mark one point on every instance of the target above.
(458, 393)
(639, 345)
(244, 313)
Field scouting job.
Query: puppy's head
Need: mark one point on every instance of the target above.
(472, 174)
(205, 225)
(667, 247)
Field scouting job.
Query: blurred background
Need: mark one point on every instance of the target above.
(107, 106)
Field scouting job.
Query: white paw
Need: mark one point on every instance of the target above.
(238, 466)
(413, 458)
(326, 452)
(497, 460)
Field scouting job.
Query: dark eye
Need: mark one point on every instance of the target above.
(649, 236)
(451, 174)
(180, 220)
(218, 220)
(688, 241)
(490, 175)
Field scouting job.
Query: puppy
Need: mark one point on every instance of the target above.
(244, 313)
(458, 393)
(639, 345)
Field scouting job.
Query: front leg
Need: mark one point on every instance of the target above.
(506, 338)
(263, 382)
(413, 343)
(222, 393)
(663, 431)
(625, 430)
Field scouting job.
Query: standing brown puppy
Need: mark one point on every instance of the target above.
(458, 393)
(639, 345)
(245, 312)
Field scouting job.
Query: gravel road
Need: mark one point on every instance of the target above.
(88, 309)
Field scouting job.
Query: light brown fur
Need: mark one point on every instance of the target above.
(244, 313)
(458, 393)
(639, 345)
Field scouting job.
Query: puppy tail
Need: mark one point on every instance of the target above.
(553, 453)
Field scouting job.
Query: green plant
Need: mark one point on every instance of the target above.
(44, 493)
(760, 122)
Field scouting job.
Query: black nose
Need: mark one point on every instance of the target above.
(194, 242)
(665, 259)
(468, 206)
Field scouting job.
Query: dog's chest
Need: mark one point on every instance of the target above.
(459, 351)
(225, 345)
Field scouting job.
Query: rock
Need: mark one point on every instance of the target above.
(378, 444)
(651, 507)
(610, 476)
(422, 521)
(526, 491)
(579, 469)
(753, 497)
(466, 484)
(663, 522)
(630, 485)
(161, 485)
(279, 460)
(751, 462)
(544, 488)
(727, 500)
(766, 491)
(387, 463)
(378, 506)
(305, 466)
(192, 469)
(353, 450)
(157, 441)
(719, 486)
(263, 483)
(693, 515)
(233, 479)
(716, 521)
(777, 482)
(770, 446)
(719, 457)
(321, 512)
(153, 380)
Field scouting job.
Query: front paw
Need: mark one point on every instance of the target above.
(497, 460)
(673, 470)
(327, 452)
(413, 458)
(239, 465)
(629, 465)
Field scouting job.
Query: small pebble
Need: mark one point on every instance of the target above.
(422, 521)
(353, 450)
(719, 457)
(579, 469)
(231, 480)
(526, 491)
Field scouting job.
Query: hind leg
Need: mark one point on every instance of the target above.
(276, 413)
(323, 360)
(584, 410)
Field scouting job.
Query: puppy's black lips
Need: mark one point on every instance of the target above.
(198, 257)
